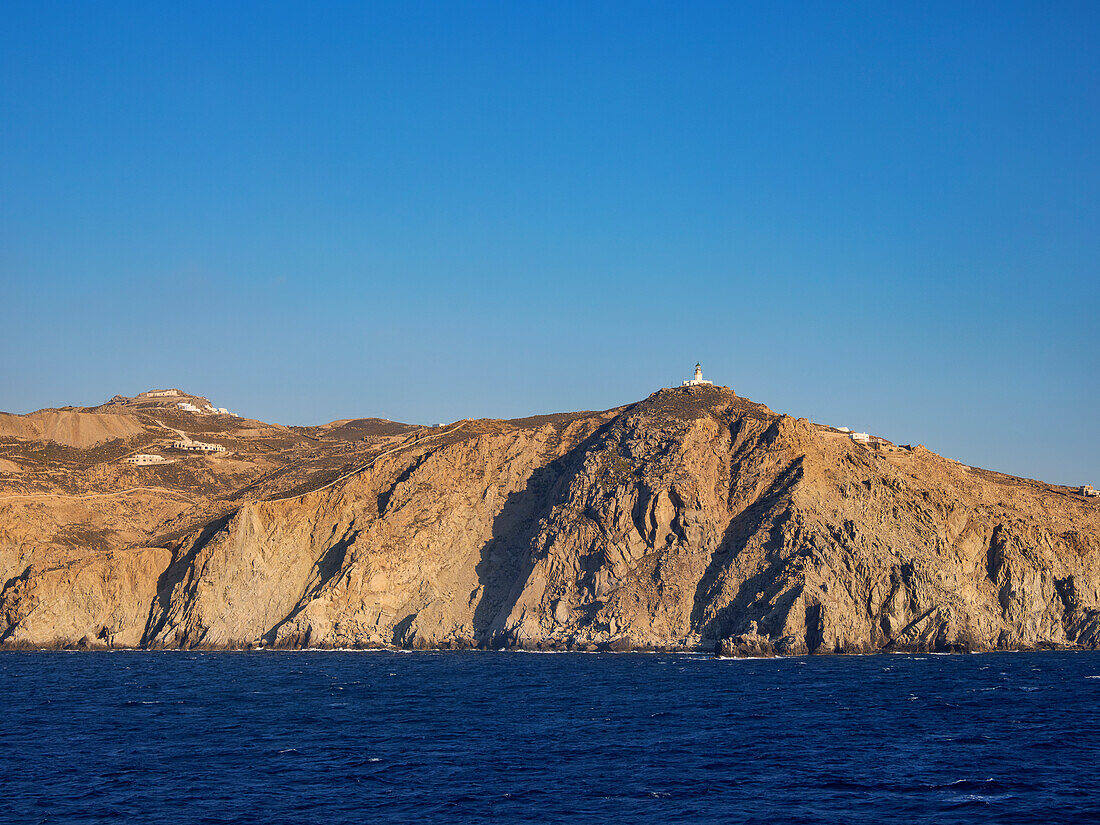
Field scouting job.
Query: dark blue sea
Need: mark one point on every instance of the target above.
(382, 737)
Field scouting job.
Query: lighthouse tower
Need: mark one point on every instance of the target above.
(697, 380)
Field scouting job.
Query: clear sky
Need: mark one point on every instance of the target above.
(885, 216)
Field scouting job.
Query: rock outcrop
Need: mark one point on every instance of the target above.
(692, 520)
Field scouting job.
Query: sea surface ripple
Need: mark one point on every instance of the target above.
(265, 737)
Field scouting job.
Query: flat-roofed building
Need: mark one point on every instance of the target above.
(142, 459)
(198, 447)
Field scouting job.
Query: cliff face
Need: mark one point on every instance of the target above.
(692, 519)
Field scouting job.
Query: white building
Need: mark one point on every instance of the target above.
(697, 380)
(1087, 490)
(862, 438)
(198, 447)
(159, 394)
(146, 458)
(206, 409)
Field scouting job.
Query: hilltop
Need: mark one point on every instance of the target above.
(693, 519)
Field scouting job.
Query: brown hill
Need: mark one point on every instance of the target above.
(71, 428)
(350, 429)
(690, 520)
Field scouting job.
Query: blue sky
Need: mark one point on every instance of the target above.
(884, 216)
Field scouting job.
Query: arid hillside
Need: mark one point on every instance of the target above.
(694, 519)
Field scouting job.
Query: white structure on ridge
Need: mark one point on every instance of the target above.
(697, 380)
(198, 447)
(146, 458)
(207, 409)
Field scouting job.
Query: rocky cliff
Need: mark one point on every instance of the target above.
(694, 519)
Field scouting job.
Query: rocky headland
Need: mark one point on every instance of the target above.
(692, 520)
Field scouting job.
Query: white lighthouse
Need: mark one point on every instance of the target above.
(697, 380)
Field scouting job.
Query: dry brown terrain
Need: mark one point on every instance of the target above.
(69, 427)
(694, 519)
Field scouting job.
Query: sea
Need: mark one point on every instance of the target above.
(457, 737)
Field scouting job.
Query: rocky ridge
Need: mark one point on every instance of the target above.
(694, 519)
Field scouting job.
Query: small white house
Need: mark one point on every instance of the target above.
(860, 438)
(188, 407)
(198, 447)
(142, 459)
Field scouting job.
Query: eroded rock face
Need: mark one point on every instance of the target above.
(692, 520)
(745, 645)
